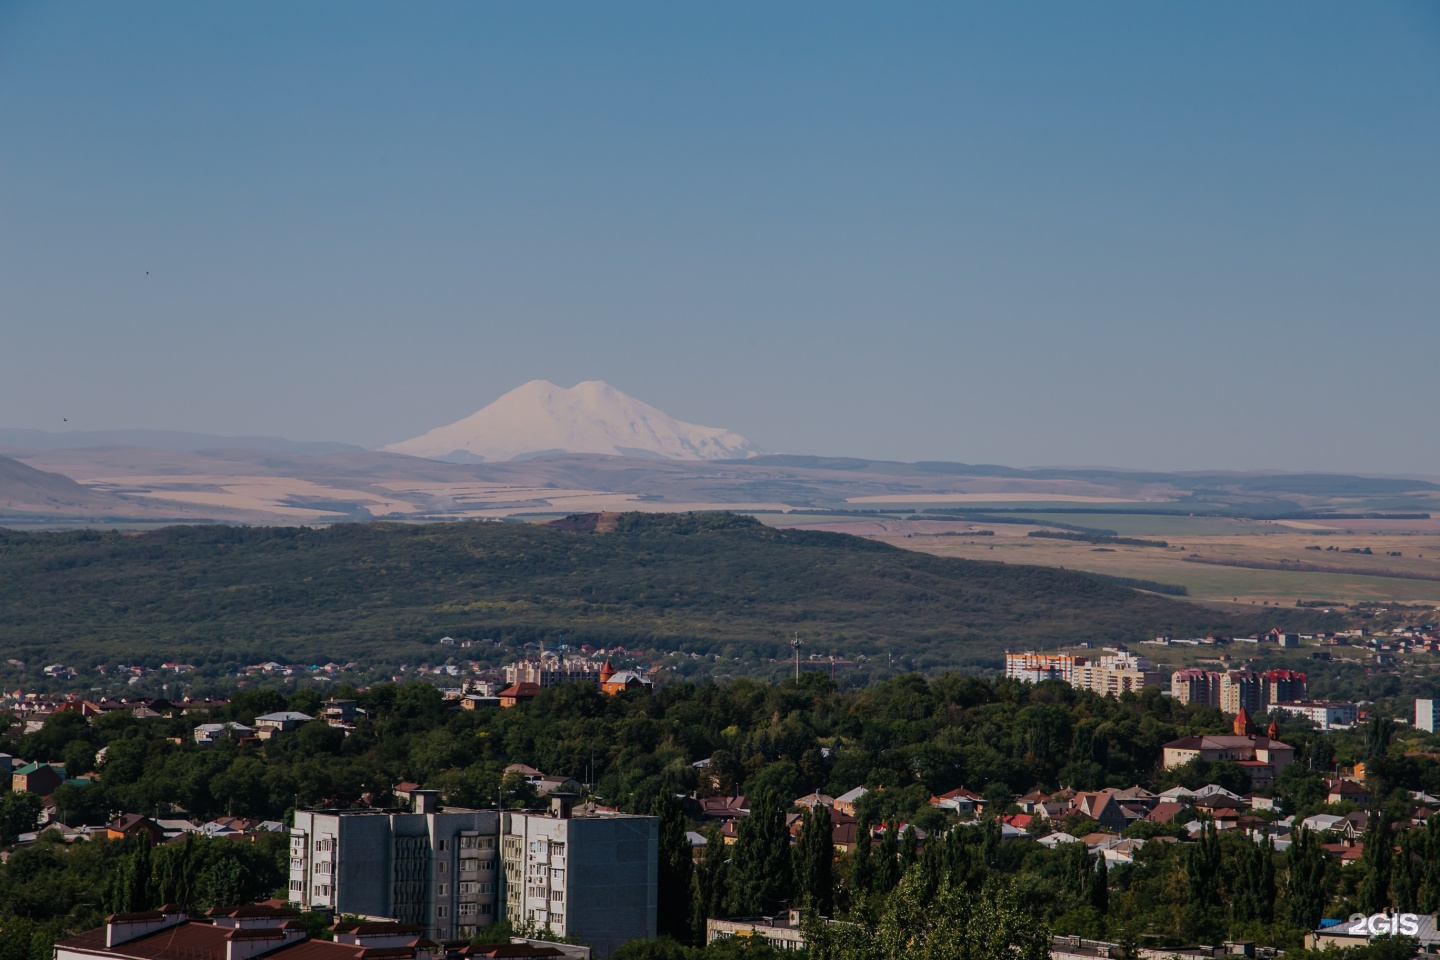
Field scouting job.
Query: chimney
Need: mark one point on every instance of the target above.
(425, 801)
(243, 944)
(124, 927)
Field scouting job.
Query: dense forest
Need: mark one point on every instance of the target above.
(905, 739)
(711, 583)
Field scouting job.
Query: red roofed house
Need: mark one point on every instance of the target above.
(518, 693)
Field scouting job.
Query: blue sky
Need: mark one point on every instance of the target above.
(1181, 235)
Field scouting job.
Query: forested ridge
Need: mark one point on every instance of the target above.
(707, 583)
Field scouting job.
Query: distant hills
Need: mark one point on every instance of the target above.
(177, 440)
(541, 418)
(714, 583)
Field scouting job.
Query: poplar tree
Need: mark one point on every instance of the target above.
(676, 865)
(761, 880)
(1373, 895)
(1304, 880)
(814, 862)
(862, 862)
(887, 867)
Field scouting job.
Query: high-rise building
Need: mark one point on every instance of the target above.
(1037, 667)
(1427, 715)
(582, 873)
(1194, 685)
(1283, 686)
(437, 869)
(577, 873)
(1115, 674)
(1242, 689)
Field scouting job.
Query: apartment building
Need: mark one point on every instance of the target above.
(548, 670)
(1230, 690)
(432, 868)
(1284, 686)
(1427, 715)
(1193, 685)
(1117, 673)
(1325, 714)
(1037, 667)
(577, 872)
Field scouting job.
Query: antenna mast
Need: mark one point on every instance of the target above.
(797, 643)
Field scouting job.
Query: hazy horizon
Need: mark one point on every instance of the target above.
(1153, 237)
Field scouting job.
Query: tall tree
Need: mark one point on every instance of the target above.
(815, 860)
(1304, 880)
(1253, 890)
(1373, 895)
(673, 898)
(712, 895)
(862, 862)
(1429, 894)
(761, 879)
(1099, 886)
(1406, 872)
(1202, 874)
(887, 860)
(953, 924)
(130, 883)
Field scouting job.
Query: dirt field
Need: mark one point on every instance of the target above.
(1356, 577)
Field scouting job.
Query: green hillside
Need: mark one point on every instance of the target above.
(389, 591)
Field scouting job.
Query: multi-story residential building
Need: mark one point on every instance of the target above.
(583, 874)
(1283, 686)
(1325, 714)
(1232, 689)
(1242, 689)
(548, 670)
(1194, 685)
(1110, 675)
(1037, 667)
(437, 869)
(1115, 674)
(593, 875)
(1427, 715)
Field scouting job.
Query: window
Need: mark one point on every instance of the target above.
(557, 895)
(558, 849)
(487, 866)
(297, 886)
(442, 889)
(487, 888)
(443, 866)
(487, 909)
(556, 919)
(469, 888)
(442, 912)
(444, 845)
(467, 909)
(486, 843)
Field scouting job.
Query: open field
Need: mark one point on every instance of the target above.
(1358, 577)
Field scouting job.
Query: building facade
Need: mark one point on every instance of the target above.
(1427, 715)
(432, 868)
(1193, 685)
(452, 871)
(1325, 714)
(576, 873)
(1037, 667)
(1118, 673)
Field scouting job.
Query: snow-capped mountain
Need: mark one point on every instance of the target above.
(591, 417)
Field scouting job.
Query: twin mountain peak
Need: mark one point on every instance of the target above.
(540, 418)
